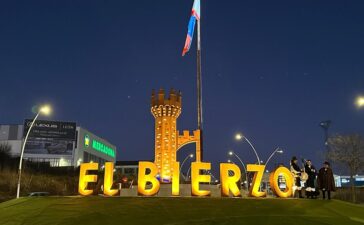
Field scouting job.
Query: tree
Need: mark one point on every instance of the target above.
(348, 150)
(5, 155)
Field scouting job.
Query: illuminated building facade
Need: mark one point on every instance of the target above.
(57, 143)
(168, 141)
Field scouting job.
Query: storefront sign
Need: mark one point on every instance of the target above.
(99, 146)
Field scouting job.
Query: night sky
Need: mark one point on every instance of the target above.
(271, 70)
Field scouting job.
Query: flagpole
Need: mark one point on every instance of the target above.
(199, 87)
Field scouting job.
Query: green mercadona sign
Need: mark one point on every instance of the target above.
(99, 146)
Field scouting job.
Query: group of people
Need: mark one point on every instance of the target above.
(312, 180)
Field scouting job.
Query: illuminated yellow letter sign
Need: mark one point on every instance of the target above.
(258, 175)
(108, 180)
(197, 178)
(175, 180)
(148, 184)
(273, 180)
(144, 179)
(228, 183)
(85, 178)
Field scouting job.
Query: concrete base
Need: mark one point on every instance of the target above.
(185, 190)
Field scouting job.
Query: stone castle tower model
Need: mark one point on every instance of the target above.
(167, 139)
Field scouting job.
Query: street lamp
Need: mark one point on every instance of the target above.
(240, 137)
(360, 102)
(277, 150)
(45, 110)
(325, 125)
(212, 176)
(190, 156)
(188, 171)
(231, 153)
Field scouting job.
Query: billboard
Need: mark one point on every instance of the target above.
(50, 137)
(51, 129)
(49, 146)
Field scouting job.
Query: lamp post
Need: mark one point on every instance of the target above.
(359, 102)
(277, 150)
(190, 156)
(231, 153)
(325, 125)
(45, 110)
(212, 175)
(240, 137)
(188, 171)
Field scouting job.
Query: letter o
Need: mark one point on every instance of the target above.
(273, 180)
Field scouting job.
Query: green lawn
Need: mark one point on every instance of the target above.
(156, 211)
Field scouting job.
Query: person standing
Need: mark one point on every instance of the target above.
(296, 171)
(310, 183)
(326, 180)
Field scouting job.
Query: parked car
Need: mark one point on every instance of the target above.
(38, 194)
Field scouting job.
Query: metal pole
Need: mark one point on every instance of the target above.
(180, 168)
(325, 126)
(188, 171)
(241, 161)
(274, 152)
(213, 177)
(246, 172)
(255, 151)
(22, 153)
(199, 86)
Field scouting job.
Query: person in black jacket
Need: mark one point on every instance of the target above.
(326, 180)
(296, 172)
(310, 183)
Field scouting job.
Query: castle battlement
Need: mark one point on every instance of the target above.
(188, 134)
(161, 105)
(174, 98)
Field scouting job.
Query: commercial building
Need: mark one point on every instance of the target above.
(345, 181)
(57, 143)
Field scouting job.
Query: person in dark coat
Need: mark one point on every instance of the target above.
(296, 172)
(326, 180)
(310, 183)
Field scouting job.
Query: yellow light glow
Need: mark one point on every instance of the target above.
(258, 175)
(85, 178)
(239, 137)
(144, 179)
(196, 178)
(175, 180)
(274, 177)
(46, 109)
(360, 101)
(108, 180)
(228, 183)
